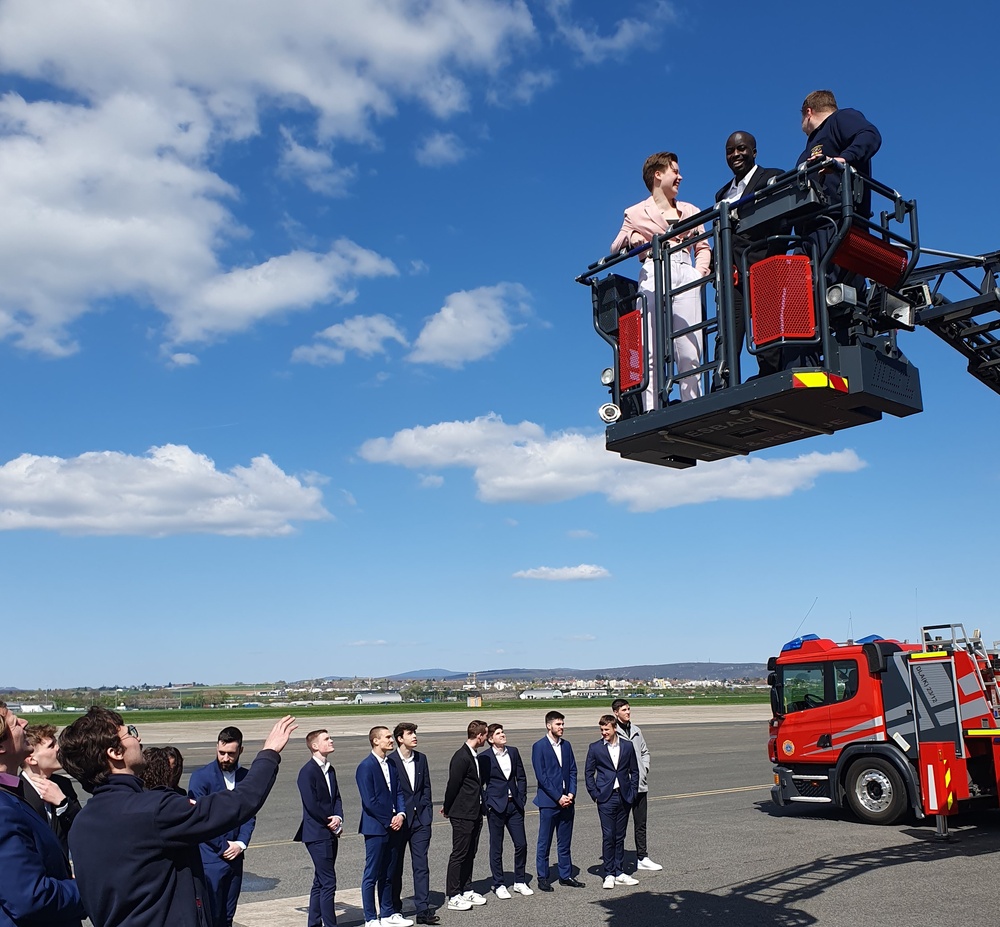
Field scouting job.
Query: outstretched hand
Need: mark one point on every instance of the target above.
(280, 733)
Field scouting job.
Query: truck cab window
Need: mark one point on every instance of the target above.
(803, 687)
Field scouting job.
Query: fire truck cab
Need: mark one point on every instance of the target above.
(883, 726)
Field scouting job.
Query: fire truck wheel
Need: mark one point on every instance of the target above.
(875, 791)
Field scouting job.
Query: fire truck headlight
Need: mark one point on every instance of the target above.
(607, 376)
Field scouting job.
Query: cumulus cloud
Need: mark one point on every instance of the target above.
(440, 149)
(365, 335)
(564, 574)
(182, 359)
(170, 490)
(523, 89)
(522, 463)
(595, 46)
(471, 324)
(431, 480)
(112, 191)
(315, 167)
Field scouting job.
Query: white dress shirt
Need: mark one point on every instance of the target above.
(324, 764)
(504, 762)
(410, 767)
(738, 187)
(614, 751)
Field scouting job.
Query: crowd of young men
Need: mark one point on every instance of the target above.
(145, 852)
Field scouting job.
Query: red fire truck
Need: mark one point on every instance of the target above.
(884, 726)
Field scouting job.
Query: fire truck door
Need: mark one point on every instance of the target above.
(805, 734)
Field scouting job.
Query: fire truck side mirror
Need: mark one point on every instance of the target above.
(772, 663)
(772, 679)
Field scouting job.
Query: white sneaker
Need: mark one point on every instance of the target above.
(623, 879)
(501, 891)
(647, 864)
(474, 898)
(455, 903)
(397, 920)
(371, 923)
(609, 881)
(522, 889)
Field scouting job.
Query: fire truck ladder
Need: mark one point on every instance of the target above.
(969, 325)
(981, 657)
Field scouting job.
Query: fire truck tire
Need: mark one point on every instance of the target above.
(875, 791)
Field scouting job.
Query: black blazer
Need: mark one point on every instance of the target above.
(497, 785)
(418, 802)
(60, 823)
(741, 243)
(463, 796)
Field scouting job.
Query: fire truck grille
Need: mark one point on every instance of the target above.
(813, 788)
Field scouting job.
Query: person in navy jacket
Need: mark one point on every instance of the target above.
(506, 787)
(611, 774)
(35, 884)
(321, 827)
(382, 814)
(223, 856)
(555, 770)
(136, 851)
(415, 781)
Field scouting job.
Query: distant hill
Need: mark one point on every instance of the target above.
(714, 671)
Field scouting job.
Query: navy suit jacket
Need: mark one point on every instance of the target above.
(319, 803)
(599, 773)
(379, 805)
(204, 782)
(59, 823)
(417, 800)
(554, 780)
(497, 785)
(35, 887)
(135, 851)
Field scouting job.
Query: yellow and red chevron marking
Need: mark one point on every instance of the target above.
(819, 380)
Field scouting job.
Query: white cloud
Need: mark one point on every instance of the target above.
(315, 167)
(184, 360)
(471, 324)
(565, 575)
(431, 481)
(521, 463)
(582, 637)
(523, 89)
(581, 534)
(440, 149)
(112, 195)
(171, 490)
(419, 267)
(629, 33)
(364, 334)
(378, 643)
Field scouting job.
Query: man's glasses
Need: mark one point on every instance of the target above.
(132, 731)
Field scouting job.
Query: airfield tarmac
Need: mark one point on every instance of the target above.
(730, 857)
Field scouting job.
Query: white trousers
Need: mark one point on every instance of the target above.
(686, 312)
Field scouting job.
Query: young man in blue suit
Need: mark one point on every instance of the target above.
(223, 856)
(555, 769)
(611, 774)
(35, 885)
(321, 827)
(382, 815)
(415, 780)
(506, 787)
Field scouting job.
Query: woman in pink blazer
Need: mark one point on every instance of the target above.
(654, 216)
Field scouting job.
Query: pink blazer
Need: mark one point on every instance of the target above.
(646, 218)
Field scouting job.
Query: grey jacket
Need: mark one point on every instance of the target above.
(641, 752)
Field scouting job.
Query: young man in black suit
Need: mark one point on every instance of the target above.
(415, 781)
(506, 786)
(51, 795)
(463, 806)
(748, 178)
(321, 827)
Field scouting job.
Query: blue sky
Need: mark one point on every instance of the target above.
(298, 381)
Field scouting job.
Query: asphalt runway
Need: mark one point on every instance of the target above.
(730, 857)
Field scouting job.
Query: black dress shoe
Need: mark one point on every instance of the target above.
(428, 917)
(571, 883)
(544, 885)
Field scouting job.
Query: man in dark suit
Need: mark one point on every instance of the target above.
(135, 850)
(50, 794)
(611, 774)
(555, 769)
(506, 787)
(748, 178)
(415, 780)
(382, 815)
(321, 827)
(223, 855)
(463, 806)
(35, 884)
